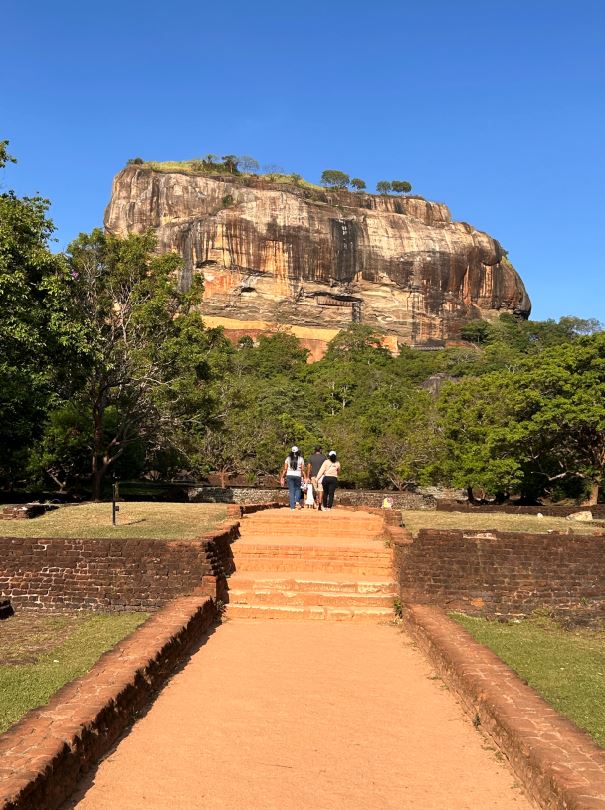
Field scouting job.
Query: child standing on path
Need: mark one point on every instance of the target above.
(309, 496)
(293, 474)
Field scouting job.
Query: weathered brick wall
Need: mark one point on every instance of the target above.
(103, 574)
(502, 573)
(344, 497)
(598, 511)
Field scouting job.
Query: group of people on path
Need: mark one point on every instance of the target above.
(317, 480)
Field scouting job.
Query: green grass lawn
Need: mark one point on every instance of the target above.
(163, 521)
(415, 520)
(40, 653)
(567, 667)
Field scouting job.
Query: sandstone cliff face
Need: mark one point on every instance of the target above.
(275, 254)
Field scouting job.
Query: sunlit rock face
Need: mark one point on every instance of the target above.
(318, 260)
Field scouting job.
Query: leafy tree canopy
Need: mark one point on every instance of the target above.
(38, 338)
(334, 178)
(147, 352)
(401, 186)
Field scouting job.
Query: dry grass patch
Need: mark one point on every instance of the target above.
(415, 520)
(161, 521)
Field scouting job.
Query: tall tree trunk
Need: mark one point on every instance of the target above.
(98, 466)
(470, 495)
(97, 483)
(593, 498)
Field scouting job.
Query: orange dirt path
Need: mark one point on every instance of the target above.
(271, 715)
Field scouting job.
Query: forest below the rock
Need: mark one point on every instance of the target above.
(106, 368)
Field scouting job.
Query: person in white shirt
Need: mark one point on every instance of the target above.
(328, 475)
(293, 475)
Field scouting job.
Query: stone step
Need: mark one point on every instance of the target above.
(312, 516)
(290, 537)
(359, 545)
(244, 554)
(320, 613)
(278, 597)
(301, 581)
(317, 565)
(292, 553)
(325, 526)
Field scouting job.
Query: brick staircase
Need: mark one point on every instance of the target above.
(312, 565)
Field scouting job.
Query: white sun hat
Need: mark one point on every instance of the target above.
(295, 449)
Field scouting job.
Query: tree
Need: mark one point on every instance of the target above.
(401, 186)
(143, 379)
(561, 413)
(38, 338)
(357, 341)
(383, 186)
(272, 168)
(401, 434)
(276, 353)
(354, 364)
(248, 164)
(481, 448)
(334, 178)
(529, 428)
(358, 184)
(230, 163)
(4, 155)
(478, 332)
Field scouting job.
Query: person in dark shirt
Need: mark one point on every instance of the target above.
(316, 459)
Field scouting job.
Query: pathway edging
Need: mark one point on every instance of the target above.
(559, 765)
(44, 755)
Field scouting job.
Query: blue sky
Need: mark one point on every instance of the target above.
(496, 108)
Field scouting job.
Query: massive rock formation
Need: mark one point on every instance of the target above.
(315, 260)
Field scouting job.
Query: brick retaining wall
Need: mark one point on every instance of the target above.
(344, 497)
(598, 511)
(99, 574)
(558, 764)
(501, 573)
(110, 574)
(44, 755)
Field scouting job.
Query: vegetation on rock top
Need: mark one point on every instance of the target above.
(247, 167)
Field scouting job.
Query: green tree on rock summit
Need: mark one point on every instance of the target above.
(401, 186)
(230, 163)
(334, 178)
(248, 164)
